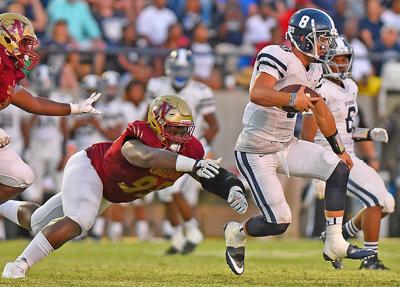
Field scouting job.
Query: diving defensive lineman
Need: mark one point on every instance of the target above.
(339, 92)
(146, 157)
(17, 41)
(267, 145)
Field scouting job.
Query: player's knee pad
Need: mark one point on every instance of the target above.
(336, 187)
(258, 226)
(389, 204)
(85, 220)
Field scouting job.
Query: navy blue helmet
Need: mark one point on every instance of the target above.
(179, 66)
(334, 69)
(312, 29)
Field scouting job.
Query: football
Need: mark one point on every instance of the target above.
(295, 88)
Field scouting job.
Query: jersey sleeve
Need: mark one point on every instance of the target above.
(141, 131)
(273, 60)
(207, 102)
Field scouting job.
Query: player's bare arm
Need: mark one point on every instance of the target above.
(25, 100)
(213, 126)
(263, 93)
(308, 127)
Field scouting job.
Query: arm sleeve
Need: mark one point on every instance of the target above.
(207, 103)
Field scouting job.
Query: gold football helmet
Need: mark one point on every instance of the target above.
(18, 39)
(171, 119)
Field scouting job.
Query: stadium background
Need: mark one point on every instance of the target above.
(91, 37)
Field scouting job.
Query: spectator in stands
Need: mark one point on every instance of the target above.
(191, 17)
(339, 15)
(34, 11)
(81, 24)
(371, 24)
(69, 77)
(204, 59)
(176, 38)
(392, 16)
(178, 6)
(231, 29)
(110, 20)
(153, 22)
(262, 29)
(388, 47)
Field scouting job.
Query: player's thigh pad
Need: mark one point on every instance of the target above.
(366, 185)
(82, 191)
(266, 189)
(14, 171)
(306, 159)
(190, 189)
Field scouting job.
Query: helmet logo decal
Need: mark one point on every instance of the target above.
(18, 27)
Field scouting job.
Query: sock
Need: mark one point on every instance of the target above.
(371, 245)
(2, 230)
(191, 223)
(98, 228)
(9, 210)
(334, 226)
(115, 230)
(178, 238)
(37, 249)
(349, 229)
(167, 229)
(334, 221)
(142, 230)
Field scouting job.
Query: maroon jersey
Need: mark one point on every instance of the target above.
(124, 182)
(9, 77)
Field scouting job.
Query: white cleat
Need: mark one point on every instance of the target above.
(16, 269)
(235, 247)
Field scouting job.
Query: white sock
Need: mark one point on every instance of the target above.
(371, 245)
(142, 230)
(2, 230)
(334, 220)
(9, 210)
(115, 229)
(98, 227)
(37, 249)
(334, 226)
(167, 228)
(191, 223)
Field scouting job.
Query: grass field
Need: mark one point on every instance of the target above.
(269, 263)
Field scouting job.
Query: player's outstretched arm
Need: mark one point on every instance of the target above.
(227, 186)
(139, 154)
(42, 106)
(375, 134)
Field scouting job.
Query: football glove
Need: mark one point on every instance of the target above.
(5, 139)
(207, 168)
(237, 200)
(86, 106)
(379, 135)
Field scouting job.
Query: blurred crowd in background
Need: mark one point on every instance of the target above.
(117, 46)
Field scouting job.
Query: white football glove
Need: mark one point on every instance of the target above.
(86, 106)
(5, 139)
(319, 188)
(379, 135)
(237, 200)
(207, 168)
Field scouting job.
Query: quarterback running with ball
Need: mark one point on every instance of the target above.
(267, 144)
(17, 41)
(339, 92)
(148, 156)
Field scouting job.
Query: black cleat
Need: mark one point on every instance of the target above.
(354, 252)
(235, 259)
(372, 263)
(189, 247)
(172, 251)
(337, 264)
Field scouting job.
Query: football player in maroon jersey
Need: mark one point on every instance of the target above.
(17, 41)
(148, 156)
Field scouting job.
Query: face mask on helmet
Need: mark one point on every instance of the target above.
(312, 32)
(341, 60)
(171, 119)
(179, 67)
(18, 39)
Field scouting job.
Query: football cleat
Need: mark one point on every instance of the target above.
(373, 263)
(16, 269)
(189, 247)
(235, 247)
(178, 240)
(337, 264)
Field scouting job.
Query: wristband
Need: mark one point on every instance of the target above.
(336, 143)
(184, 163)
(74, 109)
(292, 99)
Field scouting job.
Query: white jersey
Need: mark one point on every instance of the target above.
(87, 134)
(263, 125)
(129, 111)
(199, 97)
(10, 121)
(343, 104)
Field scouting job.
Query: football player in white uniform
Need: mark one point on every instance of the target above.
(267, 145)
(179, 67)
(339, 92)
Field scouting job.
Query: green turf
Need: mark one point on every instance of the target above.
(269, 263)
